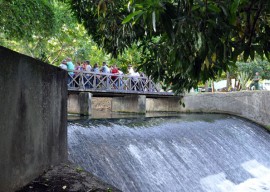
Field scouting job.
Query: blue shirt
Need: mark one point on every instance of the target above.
(70, 67)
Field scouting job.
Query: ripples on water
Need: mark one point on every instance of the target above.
(180, 153)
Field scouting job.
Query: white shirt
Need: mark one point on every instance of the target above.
(88, 67)
(131, 71)
(63, 66)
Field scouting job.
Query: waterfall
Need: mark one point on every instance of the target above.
(196, 152)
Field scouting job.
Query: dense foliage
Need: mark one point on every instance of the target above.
(58, 36)
(183, 42)
(178, 43)
(24, 19)
(245, 71)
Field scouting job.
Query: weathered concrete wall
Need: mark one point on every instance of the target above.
(130, 104)
(80, 103)
(33, 129)
(171, 104)
(253, 105)
(101, 103)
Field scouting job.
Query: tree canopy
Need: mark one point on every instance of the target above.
(183, 41)
(47, 30)
(24, 19)
(177, 42)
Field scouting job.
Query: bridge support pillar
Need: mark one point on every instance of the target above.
(80, 103)
(171, 104)
(129, 104)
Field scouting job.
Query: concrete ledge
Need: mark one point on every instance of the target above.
(253, 105)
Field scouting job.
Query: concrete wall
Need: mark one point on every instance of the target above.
(80, 103)
(33, 121)
(171, 104)
(129, 104)
(253, 105)
(101, 103)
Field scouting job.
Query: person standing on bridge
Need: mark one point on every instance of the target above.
(105, 78)
(87, 68)
(115, 79)
(104, 68)
(132, 75)
(95, 69)
(70, 68)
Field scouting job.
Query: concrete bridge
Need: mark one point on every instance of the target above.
(134, 94)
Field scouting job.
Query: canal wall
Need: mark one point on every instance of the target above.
(252, 105)
(33, 120)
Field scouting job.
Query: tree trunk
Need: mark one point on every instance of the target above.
(228, 81)
(206, 86)
(213, 86)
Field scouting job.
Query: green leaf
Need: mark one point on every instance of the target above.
(234, 6)
(130, 16)
(233, 11)
(214, 8)
(224, 10)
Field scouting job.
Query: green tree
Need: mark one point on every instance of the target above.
(183, 42)
(67, 39)
(26, 19)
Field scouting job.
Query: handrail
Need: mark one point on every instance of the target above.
(86, 80)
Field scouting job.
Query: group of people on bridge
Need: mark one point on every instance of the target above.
(83, 75)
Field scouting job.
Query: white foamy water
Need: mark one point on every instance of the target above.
(212, 153)
(260, 180)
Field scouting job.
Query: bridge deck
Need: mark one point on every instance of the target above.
(107, 84)
(116, 93)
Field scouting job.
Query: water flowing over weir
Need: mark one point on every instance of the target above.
(184, 153)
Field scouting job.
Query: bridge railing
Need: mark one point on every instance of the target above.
(84, 80)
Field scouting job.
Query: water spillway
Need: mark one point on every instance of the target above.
(182, 153)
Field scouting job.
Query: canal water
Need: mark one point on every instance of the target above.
(191, 152)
